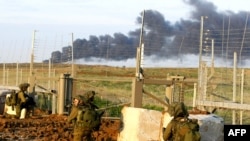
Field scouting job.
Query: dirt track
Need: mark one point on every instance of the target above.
(51, 128)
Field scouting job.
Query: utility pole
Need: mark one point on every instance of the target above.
(243, 39)
(32, 54)
(137, 89)
(140, 50)
(212, 60)
(234, 87)
(200, 59)
(32, 76)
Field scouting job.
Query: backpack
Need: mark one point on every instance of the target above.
(186, 130)
(89, 118)
(12, 99)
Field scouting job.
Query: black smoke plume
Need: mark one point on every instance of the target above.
(229, 30)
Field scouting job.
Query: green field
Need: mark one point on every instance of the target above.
(114, 84)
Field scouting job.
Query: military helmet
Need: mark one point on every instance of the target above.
(77, 97)
(178, 109)
(24, 85)
(89, 95)
(80, 97)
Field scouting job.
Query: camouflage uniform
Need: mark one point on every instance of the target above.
(21, 98)
(89, 97)
(80, 133)
(179, 113)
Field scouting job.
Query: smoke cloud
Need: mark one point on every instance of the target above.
(170, 41)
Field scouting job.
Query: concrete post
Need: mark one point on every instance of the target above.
(54, 103)
(68, 87)
(31, 89)
(137, 93)
(195, 93)
(61, 92)
(54, 97)
(169, 95)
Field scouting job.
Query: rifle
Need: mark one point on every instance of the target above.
(112, 106)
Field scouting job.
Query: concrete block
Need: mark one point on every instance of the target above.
(139, 125)
(211, 127)
(146, 125)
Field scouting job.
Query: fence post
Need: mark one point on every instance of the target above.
(61, 95)
(234, 87)
(194, 97)
(137, 93)
(169, 96)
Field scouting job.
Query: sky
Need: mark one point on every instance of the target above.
(57, 22)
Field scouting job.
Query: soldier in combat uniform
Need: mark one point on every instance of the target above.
(180, 119)
(80, 133)
(22, 99)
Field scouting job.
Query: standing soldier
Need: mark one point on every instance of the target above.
(79, 102)
(20, 102)
(85, 119)
(22, 99)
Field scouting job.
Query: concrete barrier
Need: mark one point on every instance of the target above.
(211, 127)
(139, 125)
(146, 125)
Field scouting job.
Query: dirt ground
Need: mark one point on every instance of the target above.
(52, 128)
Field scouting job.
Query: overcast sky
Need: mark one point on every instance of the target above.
(55, 20)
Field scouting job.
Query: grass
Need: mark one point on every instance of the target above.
(114, 84)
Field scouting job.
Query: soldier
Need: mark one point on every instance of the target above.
(77, 102)
(22, 99)
(180, 123)
(80, 133)
(89, 96)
